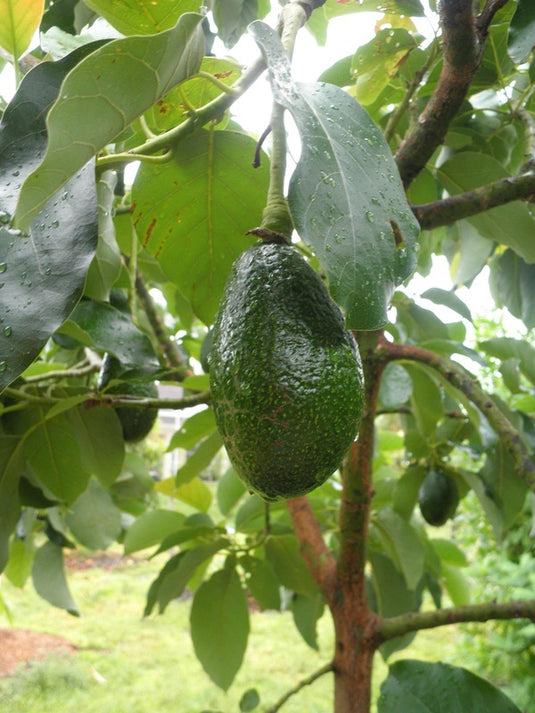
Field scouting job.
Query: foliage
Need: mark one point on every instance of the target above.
(412, 131)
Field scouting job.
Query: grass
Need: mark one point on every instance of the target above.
(127, 664)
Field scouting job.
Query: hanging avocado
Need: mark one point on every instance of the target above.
(438, 497)
(286, 377)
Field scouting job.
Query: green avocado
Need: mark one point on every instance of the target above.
(438, 497)
(285, 375)
(136, 422)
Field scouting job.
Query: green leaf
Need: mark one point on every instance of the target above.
(346, 198)
(48, 576)
(93, 518)
(506, 348)
(511, 224)
(426, 401)
(195, 428)
(512, 285)
(250, 700)
(522, 31)
(422, 687)
(194, 492)
(262, 583)
(402, 544)
(392, 597)
(192, 212)
(449, 552)
(405, 495)
(151, 528)
(306, 613)
(455, 583)
(20, 20)
(19, 566)
(396, 386)
(106, 264)
(53, 453)
(99, 437)
(220, 626)
(200, 459)
(99, 325)
(229, 490)
(232, 18)
(132, 17)
(150, 65)
(11, 469)
(449, 299)
(282, 551)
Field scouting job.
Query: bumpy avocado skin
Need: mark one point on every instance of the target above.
(286, 377)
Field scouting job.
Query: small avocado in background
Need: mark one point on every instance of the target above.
(438, 497)
(136, 422)
(285, 375)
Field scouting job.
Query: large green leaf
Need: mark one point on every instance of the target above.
(99, 437)
(132, 17)
(99, 87)
(510, 224)
(506, 348)
(11, 468)
(521, 37)
(220, 626)
(195, 428)
(422, 687)
(20, 19)
(232, 17)
(345, 196)
(41, 274)
(49, 580)
(151, 528)
(192, 212)
(402, 545)
(99, 325)
(93, 518)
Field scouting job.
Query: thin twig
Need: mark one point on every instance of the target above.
(327, 668)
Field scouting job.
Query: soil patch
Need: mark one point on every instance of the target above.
(19, 646)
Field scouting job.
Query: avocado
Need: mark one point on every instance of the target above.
(438, 497)
(285, 375)
(136, 422)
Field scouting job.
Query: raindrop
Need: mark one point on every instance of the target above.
(4, 218)
(55, 223)
(370, 216)
(3, 365)
(3, 266)
(7, 331)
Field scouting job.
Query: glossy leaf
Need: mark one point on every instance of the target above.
(229, 490)
(194, 492)
(101, 326)
(232, 17)
(93, 518)
(193, 211)
(132, 17)
(510, 224)
(448, 299)
(20, 20)
(200, 459)
(507, 348)
(220, 626)
(396, 386)
(402, 545)
(422, 687)
(194, 429)
(151, 65)
(42, 274)
(99, 437)
(306, 613)
(345, 196)
(48, 574)
(262, 583)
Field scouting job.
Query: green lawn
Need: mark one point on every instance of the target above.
(127, 664)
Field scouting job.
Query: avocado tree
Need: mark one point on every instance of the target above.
(418, 146)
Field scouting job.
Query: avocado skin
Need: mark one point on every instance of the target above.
(438, 497)
(286, 377)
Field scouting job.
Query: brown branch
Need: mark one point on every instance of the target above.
(463, 205)
(172, 355)
(327, 668)
(469, 386)
(462, 49)
(390, 628)
(319, 559)
(486, 16)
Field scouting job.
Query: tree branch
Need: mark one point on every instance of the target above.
(462, 49)
(463, 205)
(390, 628)
(469, 386)
(327, 668)
(320, 560)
